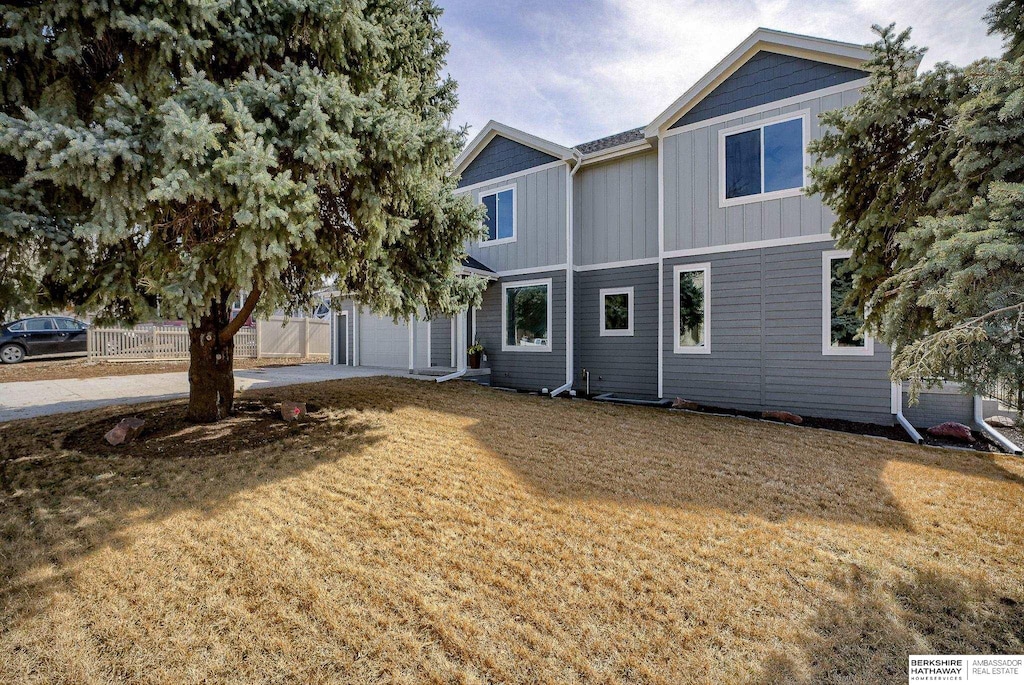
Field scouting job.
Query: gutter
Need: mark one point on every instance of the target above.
(897, 402)
(980, 424)
(452, 376)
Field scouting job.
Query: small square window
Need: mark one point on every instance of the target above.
(500, 219)
(692, 300)
(841, 330)
(616, 311)
(762, 161)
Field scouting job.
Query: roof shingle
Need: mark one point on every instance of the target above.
(630, 136)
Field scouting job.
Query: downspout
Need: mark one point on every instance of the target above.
(570, 259)
(452, 376)
(980, 424)
(897, 404)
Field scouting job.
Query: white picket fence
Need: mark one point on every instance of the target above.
(277, 337)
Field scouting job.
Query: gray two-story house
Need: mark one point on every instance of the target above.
(678, 259)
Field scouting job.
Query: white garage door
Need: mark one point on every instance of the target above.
(382, 342)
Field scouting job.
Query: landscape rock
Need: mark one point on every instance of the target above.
(952, 429)
(293, 411)
(680, 403)
(1001, 421)
(784, 416)
(125, 431)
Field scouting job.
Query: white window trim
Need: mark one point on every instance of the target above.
(605, 292)
(515, 211)
(827, 349)
(690, 268)
(723, 201)
(505, 347)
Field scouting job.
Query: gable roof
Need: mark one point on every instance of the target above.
(820, 49)
(493, 129)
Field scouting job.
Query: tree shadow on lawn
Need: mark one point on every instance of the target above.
(868, 629)
(579, 449)
(65, 493)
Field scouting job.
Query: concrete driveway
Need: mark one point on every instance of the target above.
(37, 398)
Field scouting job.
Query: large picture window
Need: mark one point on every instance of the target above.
(692, 306)
(762, 161)
(501, 215)
(526, 316)
(841, 328)
(616, 311)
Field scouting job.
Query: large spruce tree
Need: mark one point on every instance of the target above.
(189, 151)
(926, 176)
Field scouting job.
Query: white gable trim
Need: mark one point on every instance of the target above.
(493, 129)
(808, 47)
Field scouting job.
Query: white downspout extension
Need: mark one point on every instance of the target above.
(459, 352)
(897, 407)
(979, 423)
(412, 344)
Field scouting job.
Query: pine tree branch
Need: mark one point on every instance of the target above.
(243, 315)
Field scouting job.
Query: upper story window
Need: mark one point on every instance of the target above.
(501, 215)
(841, 329)
(763, 161)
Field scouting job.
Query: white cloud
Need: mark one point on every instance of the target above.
(594, 72)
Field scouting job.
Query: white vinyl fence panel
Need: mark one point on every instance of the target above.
(280, 336)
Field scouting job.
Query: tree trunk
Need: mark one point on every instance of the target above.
(210, 376)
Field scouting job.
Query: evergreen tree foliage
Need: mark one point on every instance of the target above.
(924, 174)
(188, 151)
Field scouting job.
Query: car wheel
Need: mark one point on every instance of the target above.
(12, 354)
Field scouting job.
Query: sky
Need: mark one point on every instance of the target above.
(572, 71)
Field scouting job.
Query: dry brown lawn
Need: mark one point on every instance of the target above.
(414, 533)
(81, 367)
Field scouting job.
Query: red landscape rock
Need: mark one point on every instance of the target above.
(125, 431)
(952, 429)
(680, 403)
(293, 411)
(784, 416)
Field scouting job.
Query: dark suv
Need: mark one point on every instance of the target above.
(43, 336)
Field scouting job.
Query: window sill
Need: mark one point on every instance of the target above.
(692, 350)
(532, 350)
(617, 334)
(499, 241)
(761, 197)
(868, 351)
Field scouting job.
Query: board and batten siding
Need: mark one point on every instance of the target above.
(517, 369)
(626, 365)
(615, 214)
(540, 222)
(693, 218)
(441, 342)
(766, 342)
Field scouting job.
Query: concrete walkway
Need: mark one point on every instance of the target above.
(39, 398)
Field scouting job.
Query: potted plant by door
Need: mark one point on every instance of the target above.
(475, 352)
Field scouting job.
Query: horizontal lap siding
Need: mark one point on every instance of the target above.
(441, 342)
(766, 341)
(524, 370)
(627, 365)
(938, 407)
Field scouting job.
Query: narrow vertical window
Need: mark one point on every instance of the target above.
(500, 217)
(692, 300)
(841, 327)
